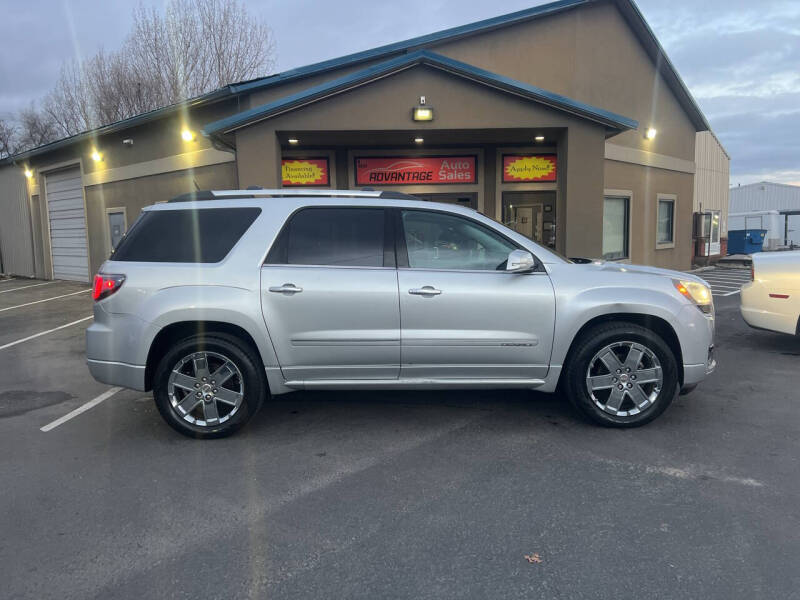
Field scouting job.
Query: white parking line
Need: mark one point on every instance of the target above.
(36, 335)
(81, 409)
(25, 287)
(45, 300)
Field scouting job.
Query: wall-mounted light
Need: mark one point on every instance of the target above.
(187, 135)
(294, 141)
(539, 138)
(422, 113)
(127, 142)
(28, 173)
(651, 133)
(96, 156)
(419, 140)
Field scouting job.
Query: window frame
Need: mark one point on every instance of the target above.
(628, 197)
(672, 198)
(401, 249)
(389, 258)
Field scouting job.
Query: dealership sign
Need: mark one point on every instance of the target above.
(305, 171)
(411, 170)
(531, 167)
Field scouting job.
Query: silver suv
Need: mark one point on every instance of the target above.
(217, 300)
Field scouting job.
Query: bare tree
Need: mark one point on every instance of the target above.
(8, 138)
(36, 128)
(194, 47)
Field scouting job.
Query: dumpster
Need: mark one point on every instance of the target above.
(746, 241)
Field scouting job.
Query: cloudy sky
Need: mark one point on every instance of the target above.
(740, 59)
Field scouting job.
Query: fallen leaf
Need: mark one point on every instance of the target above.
(533, 558)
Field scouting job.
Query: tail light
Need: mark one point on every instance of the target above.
(105, 285)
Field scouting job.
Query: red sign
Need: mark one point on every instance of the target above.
(529, 167)
(305, 171)
(411, 170)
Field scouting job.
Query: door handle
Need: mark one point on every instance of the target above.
(426, 290)
(286, 288)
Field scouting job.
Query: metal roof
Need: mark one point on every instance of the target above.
(628, 9)
(612, 121)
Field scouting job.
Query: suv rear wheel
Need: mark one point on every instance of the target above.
(621, 375)
(209, 386)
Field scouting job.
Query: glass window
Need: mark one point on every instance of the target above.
(440, 241)
(203, 235)
(666, 213)
(615, 227)
(341, 237)
(714, 226)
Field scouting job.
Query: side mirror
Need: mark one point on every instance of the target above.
(520, 261)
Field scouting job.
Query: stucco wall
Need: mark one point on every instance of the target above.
(134, 194)
(645, 183)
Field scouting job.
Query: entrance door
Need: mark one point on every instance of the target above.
(532, 214)
(64, 190)
(329, 295)
(463, 316)
(116, 226)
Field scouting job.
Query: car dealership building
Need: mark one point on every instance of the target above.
(565, 121)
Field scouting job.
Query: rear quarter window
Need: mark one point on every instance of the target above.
(204, 235)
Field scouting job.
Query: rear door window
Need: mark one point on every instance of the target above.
(203, 235)
(337, 237)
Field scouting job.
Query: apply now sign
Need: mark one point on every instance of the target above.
(411, 170)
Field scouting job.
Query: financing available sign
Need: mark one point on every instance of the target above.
(529, 167)
(416, 170)
(305, 171)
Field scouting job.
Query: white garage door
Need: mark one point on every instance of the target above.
(67, 225)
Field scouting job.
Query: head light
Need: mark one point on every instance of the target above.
(697, 292)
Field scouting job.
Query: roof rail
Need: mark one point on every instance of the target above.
(278, 193)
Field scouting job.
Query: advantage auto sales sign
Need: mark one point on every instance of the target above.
(414, 170)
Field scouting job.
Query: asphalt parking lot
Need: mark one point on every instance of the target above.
(725, 281)
(393, 495)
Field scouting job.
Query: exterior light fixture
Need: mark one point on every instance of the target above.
(96, 157)
(28, 173)
(294, 141)
(422, 113)
(539, 138)
(651, 133)
(419, 140)
(187, 135)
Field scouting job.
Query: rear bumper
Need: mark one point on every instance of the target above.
(116, 373)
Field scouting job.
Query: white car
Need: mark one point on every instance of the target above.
(772, 299)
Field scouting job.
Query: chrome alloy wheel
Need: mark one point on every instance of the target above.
(205, 388)
(624, 378)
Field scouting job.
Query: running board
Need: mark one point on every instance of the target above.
(412, 384)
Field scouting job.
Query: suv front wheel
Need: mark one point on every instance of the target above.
(621, 375)
(209, 386)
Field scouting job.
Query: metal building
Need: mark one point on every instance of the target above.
(711, 181)
(752, 203)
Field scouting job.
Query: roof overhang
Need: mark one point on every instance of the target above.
(221, 131)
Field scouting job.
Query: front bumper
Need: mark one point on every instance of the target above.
(694, 374)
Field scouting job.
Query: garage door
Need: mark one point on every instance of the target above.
(67, 225)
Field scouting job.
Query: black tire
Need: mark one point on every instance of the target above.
(615, 335)
(250, 374)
